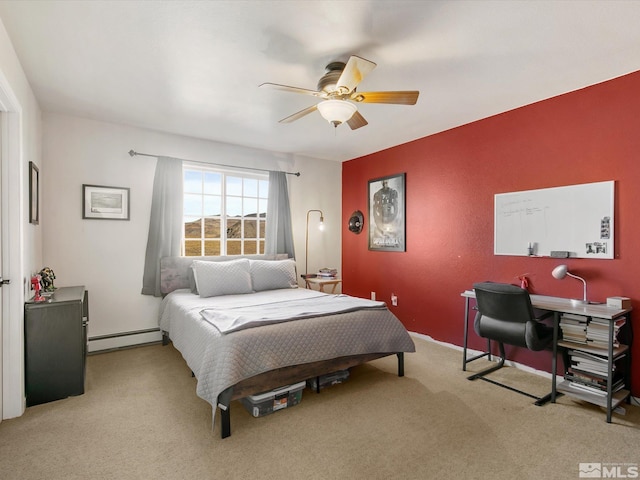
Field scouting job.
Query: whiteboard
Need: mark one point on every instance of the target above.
(577, 219)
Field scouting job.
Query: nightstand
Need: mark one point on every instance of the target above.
(321, 282)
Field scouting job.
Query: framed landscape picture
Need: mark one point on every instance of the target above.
(387, 227)
(105, 203)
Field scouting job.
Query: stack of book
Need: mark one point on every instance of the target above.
(574, 328)
(598, 332)
(327, 273)
(589, 373)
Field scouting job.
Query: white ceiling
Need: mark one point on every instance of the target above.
(193, 67)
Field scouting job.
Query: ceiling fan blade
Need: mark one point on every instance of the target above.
(356, 69)
(300, 114)
(287, 88)
(407, 97)
(357, 121)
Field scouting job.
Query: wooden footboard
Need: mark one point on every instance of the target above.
(288, 375)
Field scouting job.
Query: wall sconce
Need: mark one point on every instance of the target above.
(306, 243)
(561, 271)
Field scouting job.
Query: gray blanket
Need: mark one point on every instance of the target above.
(231, 319)
(221, 360)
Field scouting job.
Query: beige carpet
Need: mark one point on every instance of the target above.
(140, 419)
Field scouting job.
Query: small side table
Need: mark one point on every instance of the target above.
(321, 282)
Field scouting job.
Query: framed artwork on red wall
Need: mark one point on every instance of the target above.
(387, 228)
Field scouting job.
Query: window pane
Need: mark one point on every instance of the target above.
(212, 205)
(192, 248)
(250, 228)
(263, 226)
(192, 205)
(250, 247)
(234, 206)
(264, 188)
(192, 181)
(234, 228)
(250, 187)
(234, 185)
(212, 183)
(262, 207)
(212, 247)
(234, 247)
(261, 247)
(250, 207)
(192, 229)
(212, 228)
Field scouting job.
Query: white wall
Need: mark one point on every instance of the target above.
(22, 246)
(107, 256)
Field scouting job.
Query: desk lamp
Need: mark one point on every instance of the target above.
(306, 244)
(561, 271)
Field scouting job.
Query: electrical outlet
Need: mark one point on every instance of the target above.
(394, 300)
(373, 295)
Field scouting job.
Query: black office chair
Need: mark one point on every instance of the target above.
(505, 315)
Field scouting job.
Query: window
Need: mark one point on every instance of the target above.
(224, 212)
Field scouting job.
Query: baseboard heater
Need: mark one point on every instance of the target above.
(118, 340)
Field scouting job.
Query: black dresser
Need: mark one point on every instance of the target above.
(55, 336)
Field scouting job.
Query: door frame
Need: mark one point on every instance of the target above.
(12, 327)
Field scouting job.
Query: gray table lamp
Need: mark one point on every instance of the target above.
(561, 271)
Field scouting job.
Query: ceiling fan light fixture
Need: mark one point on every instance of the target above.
(336, 111)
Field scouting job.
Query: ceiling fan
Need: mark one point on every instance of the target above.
(337, 89)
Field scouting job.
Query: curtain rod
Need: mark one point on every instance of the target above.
(133, 153)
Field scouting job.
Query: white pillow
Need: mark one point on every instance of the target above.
(272, 274)
(222, 278)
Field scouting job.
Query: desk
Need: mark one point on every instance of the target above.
(559, 306)
(321, 282)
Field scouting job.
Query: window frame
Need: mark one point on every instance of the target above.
(261, 199)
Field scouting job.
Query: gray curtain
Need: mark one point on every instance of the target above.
(165, 225)
(279, 234)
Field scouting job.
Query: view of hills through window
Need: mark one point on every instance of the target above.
(224, 213)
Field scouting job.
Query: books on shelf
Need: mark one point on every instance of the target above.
(594, 383)
(617, 397)
(589, 373)
(598, 332)
(574, 328)
(593, 332)
(592, 359)
(591, 363)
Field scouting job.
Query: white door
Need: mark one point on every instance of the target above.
(2, 160)
(12, 401)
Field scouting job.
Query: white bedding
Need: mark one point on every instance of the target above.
(222, 360)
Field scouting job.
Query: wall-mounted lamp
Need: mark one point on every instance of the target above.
(306, 243)
(561, 271)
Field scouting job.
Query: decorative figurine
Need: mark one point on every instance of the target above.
(47, 276)
(35, 284)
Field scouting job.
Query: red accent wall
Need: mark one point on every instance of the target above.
(589, 135)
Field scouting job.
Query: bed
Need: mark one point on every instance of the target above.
(243, 327)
